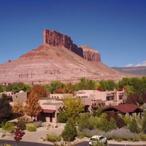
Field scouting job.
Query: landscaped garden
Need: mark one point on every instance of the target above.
(78, 123)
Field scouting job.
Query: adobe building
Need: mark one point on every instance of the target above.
(51, 105)
(105, 98)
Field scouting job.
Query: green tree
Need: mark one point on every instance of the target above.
(69, 88)
(107, 85)
(135, 89)
(62, 116)
(52, 88)
(2, 88)
(73, 107)
(5, 108)
(16, 87)
(85, 84)
(69, 132)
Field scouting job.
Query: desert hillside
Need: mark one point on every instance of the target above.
(58, 58)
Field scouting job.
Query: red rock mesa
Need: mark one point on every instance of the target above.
(58, 58)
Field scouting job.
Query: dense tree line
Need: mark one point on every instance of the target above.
(135, 87)
(15, 87)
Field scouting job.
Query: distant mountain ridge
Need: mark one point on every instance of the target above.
(137, 70)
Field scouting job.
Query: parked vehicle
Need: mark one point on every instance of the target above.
(96, 139)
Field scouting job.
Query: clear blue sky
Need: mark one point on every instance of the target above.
(116, 28)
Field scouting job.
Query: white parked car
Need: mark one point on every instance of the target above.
(97, 139)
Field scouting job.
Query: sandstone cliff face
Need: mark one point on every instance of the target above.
(57, 39)
(54, 38)
(90, 54)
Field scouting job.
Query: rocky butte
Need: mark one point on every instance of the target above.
(58, 58)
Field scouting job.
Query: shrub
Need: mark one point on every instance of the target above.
(96, 110)
(10, 127)
(53, 138)
(142, 137)
(31, 127)
(21, 124)
(122, 134)
(62, 117)
(90, 122)
(133, 127)
(69, 132)
(124, 138)
(125, 134)
(86, 121)
(127, 119)
(25, 119)
(105, 124)
(118, 118)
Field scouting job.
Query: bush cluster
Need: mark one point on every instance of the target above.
(8, 126)
(69, 132)
(31, 127)
(53, 138)
(21, 124)
(87, 121)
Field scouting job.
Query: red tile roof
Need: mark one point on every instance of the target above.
(124, 108)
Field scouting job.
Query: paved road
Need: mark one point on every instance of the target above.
(39, 144)
(86, 144)
(13, 143)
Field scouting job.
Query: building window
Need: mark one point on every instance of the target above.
(121, 96)
(108, 98)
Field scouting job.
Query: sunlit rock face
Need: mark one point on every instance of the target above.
(90, 54)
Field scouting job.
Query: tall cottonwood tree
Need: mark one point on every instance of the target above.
(32, 105)
(18, 108)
